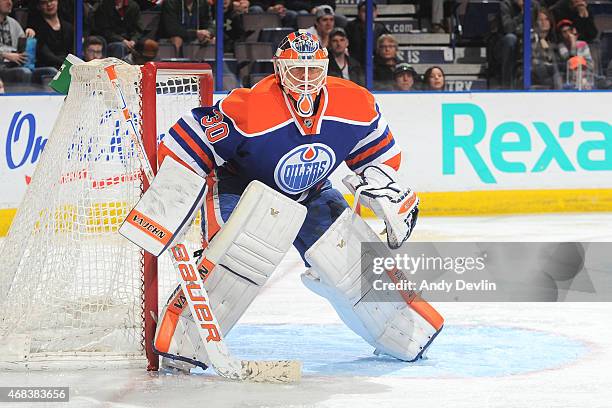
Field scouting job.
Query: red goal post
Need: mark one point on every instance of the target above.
(149, 89)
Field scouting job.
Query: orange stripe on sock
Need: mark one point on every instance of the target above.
(212, 224)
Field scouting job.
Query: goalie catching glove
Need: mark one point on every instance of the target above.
(377, 188)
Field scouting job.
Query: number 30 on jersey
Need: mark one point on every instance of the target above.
(214, 127)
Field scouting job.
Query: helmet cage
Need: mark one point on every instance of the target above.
(300, 64)
(302, 76)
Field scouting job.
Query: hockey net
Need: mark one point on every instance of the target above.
(72, 290)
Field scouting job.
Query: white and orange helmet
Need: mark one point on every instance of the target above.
(300, 65)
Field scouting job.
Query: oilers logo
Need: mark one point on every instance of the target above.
(305, 43)
(303, 167)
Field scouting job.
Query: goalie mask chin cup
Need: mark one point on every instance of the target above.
(300, 65)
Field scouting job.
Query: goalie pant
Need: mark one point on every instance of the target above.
(324, 204)
(324, 207)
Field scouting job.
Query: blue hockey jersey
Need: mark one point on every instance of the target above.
(256, 134)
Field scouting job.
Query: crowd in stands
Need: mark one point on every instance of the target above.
(564, 39)
(563, 32)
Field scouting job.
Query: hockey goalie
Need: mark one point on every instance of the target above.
(279, 140)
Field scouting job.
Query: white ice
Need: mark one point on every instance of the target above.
(582, 382)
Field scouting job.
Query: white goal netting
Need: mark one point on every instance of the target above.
(70, 286)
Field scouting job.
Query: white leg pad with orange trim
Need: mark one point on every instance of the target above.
(234, 268)
(396, 323)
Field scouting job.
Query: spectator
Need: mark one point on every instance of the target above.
(143, 52)
(55, 36)
(342, 65)
(12, 61)
(305, 7)
(324, 24)
(118, 21)
(1, 86)
(356, 32)
(65, 10)
(186, 21)
(544, 67)
(437, 16)
(93, 48)
(234, 27)
(578, 12)
(435, 9)
(288, 17)
(385, 61)
(405, 77)
(434, 79)
(575, 56)
(241, 6)
(507, 45)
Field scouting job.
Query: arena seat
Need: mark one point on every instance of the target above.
(305, 20)
(253, 23)
(262, 66)
(230, 65)
(600, 7)
(166, 51)
(603, 22)
(249, 51)
(198, 52)
(274, 35)
(21, 15)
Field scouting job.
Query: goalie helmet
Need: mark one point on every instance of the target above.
(300, 65)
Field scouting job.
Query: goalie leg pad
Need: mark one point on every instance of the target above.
(396, 323)
(234, 267)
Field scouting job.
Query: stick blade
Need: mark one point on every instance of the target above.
(279, 371)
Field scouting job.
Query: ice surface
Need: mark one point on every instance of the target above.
(489, 354)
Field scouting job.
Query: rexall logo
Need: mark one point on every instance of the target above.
(593, 151)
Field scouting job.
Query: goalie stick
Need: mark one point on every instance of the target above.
(226, 365)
